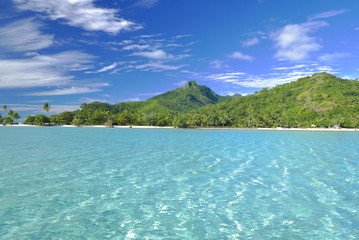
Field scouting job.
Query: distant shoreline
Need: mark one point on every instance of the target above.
(198, 128)
(286, 129)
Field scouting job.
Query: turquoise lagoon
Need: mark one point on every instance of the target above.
(90, 183)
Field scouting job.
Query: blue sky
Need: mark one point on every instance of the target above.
(66, 52)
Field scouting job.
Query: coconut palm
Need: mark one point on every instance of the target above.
(11, 113)
(4, 107)
(46, 107)
(16, 116)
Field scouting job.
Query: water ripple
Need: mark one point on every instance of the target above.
(177, 184)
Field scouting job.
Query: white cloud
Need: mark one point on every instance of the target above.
(218, 64)
(291, 67)
(182, 36)
(38, 108)
(260, 82)
(331, 57)
(107, 68)
(80, 13)
(41, 70)
(133, 99)
(158, 67)
(159, 55)
(294, 43)
(156, 54)
(67, 91)
(250, 42)
(327, 69)
(146, 3)
(241, 56)
(24, 35)
(280, 76)
(63, 108)
(327, 14)
(226, 77)
(150, 35)
(41, 101)
(136, 47)
(231, 93)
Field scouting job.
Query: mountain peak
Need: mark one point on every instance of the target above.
(190, 84)
(320, 77)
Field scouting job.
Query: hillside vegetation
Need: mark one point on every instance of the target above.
(321, 100)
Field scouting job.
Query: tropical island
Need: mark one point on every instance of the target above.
(320, 100)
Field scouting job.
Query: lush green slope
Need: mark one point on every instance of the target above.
(187, 98)
(321, 99)
(159, 110)
(191, 96)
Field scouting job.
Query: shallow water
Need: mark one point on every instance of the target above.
(89, 183)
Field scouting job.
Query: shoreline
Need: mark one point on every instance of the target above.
(286, 129)
(197, 128)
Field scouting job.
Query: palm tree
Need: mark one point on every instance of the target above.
(4, 107)
(46, 107)
(11, 113)
(16, 116)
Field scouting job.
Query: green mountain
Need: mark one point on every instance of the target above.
(321, 99)
(191, 96)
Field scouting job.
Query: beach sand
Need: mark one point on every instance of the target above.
(200, 128)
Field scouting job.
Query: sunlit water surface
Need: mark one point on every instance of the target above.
(88, 183)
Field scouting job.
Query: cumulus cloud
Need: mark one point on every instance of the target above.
(24, 35)
(250, 42)
(327, 14)
(294, 42)
(80, 13)
(41, 70)
(241, 56)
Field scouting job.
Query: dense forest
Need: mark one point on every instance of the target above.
(321, 100)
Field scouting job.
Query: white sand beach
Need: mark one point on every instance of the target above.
(198, 128)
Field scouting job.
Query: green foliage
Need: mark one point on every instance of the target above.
(11, 113)
(8, 120)
(321, 99)
(30, 120)
(16, 116)
(46, 107)
(41, 120)
(64, 118)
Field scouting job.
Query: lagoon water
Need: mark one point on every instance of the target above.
(92, 183)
